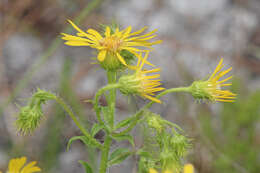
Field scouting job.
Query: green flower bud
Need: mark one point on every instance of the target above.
(199, 90)
(30, 116)
(174, 149)
(29, 119)
(155, 121)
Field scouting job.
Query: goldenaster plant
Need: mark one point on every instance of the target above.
(123, 54)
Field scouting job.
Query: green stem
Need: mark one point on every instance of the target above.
(99, 94)
(171, 90)
(74, 118)
(105, 154)
(139, 114)
(111, 101)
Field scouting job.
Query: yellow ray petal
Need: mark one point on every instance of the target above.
(102, 55)
(108, 31)
(152, 71)
(121, 59)
(152, 98)
(222, 74)
(139, 31)
(95, 33)
(222, 81)
(219, 66)
(76, 43)
(144, 59)
(126, 32)
(75, 26)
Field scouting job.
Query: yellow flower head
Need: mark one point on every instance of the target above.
(17, 165)
(212, 88)
(140, 83)
(111, 44)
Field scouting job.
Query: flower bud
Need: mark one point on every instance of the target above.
(30, 116)
(29, 119)
(155, 121)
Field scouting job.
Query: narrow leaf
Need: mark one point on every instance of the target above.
(124, 122)
(125, 137)
(117, 152)
(96, 128)
(84, 139)
(87, 167)
(118, 156)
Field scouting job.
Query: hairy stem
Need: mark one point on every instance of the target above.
(111, 101)
(98, 95)
(78, 124)
(105, 154)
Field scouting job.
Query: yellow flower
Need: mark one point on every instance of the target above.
(188, 168)
(151, 170)
(212, 88)
(111, 44)
(17, 165)
(140, 83)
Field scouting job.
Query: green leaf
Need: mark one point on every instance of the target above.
(87, 167)
(118, 156)
(117, 152)
(125, 137)
(124, 122)
(143, 153)
(96, 128)
(84, 139)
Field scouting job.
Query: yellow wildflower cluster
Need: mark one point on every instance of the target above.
(113, 42)
(17, 165)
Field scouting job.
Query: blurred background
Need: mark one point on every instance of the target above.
(195, 34)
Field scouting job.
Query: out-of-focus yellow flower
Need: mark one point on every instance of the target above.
(111, 44)
(140, 83)
(17, 165)
(151, 170)
(212, 88)
(188, 168)
(167, 171)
